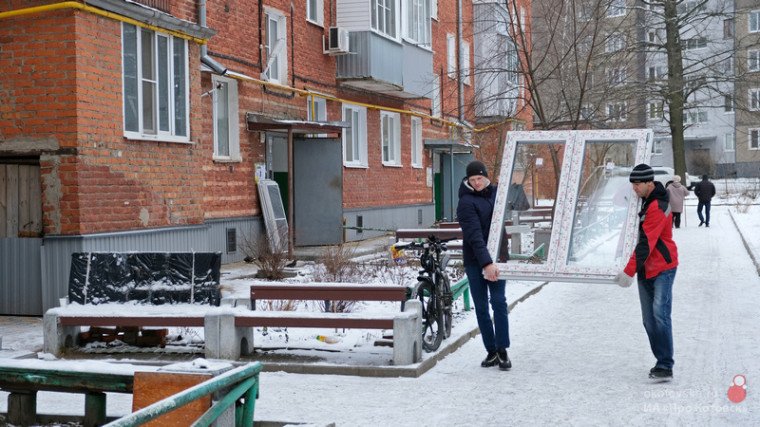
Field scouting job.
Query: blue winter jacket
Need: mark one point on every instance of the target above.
(474, 213)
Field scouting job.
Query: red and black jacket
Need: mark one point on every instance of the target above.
(655, 251)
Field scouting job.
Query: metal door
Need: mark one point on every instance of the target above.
(318, 192)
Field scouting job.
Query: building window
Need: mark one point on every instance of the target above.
(617, 112)
(276, 69)
(657, 146)
(316, 111)
(315, 10)
(418, 21)
(728, 103)
(754, 21)
(585, 10)
(416, 142)
(384, 17)
(656, 73)
(754, 139)
(727, 65)
(728, 28)
(225, 112)
(694, 43)
(615, 42)
(466, 74)
(654, 110)
(435, 98)
(616, 76)
(616, 8)
(729, 142)
(390, 138)
(753, 99)
(694, 116)
(155, 82)
(355, 136)
(434, 9)
(451, 55)
(753, 60)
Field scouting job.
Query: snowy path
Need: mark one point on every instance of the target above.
(580, 357)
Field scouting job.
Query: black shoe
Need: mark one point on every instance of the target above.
(504, 363)
(491, 360)
(707, 224)
(660, 373)
(701, 223)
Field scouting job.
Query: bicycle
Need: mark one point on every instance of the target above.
(433, 290)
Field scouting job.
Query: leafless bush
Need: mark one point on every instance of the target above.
(338, 265)
(270, 259)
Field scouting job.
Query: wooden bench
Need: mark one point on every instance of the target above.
(24, 378)
(406, 324)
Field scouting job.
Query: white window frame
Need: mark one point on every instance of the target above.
(753, 99)
(416, 142)
(753, 60)
(729, 105)
(276, 65)
(451, 55)
(617, 76)
(466, 70)
(385, 17)
(753, 21)
(753, 134)
(615, 8)
(417, 23)
(390, 138)
(655, 110)
(694, 116)
(318, 114)
(617, 111)
(657, 146)
(434, 9)
(695, 43)
(171, 125)
(729, 142)
(356, 135)
(226, 89)
(615, 42)
(315, 15)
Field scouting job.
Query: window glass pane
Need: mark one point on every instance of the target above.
(348, 134)
(148, 82)
(148, 111)
(163, 84)
(274, 72)
(131, 113)
(597, 234)
(385, 138)
(356, 135)
(180, 88)
(221, 97)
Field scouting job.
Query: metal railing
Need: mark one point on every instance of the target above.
(243, 380)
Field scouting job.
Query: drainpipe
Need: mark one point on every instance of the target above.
(205, 59)
(460, 81)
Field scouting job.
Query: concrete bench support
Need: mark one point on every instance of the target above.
(407, 336)
(56, 336)
(224, 340)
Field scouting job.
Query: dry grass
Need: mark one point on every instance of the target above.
(271, 261)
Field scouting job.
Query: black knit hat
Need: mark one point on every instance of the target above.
(476, 167)
(642, 173)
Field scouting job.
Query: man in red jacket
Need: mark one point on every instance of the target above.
(654, 261)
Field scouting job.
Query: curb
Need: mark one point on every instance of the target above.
(746, 244)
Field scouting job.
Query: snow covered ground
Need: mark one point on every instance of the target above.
(580, 356)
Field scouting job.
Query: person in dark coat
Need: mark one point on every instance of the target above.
(704, 190)
(476, 202)
(654, 262)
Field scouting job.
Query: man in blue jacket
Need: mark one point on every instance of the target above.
(476, 201)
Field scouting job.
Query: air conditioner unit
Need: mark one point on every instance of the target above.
(337, 41)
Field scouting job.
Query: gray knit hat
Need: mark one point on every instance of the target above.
(642, 173)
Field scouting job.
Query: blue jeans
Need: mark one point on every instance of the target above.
(706, 218)
(495, 333)
(656, 297)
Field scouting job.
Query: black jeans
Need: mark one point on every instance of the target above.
(677, 219)
(705, 219)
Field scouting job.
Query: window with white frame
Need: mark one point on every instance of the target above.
(466, 70)
(615, 42)
(616, 76)
(451, 55)
(316, 111)
(727, 65)
(753, 60)
(226, 120)
(155, 80)
(276, 69)
(355, 136)
(616, 8)
(753, 99)
(694, 43)
(728, 104)
(617, 111)
(754, 21)
(416, 133)
(585, 10)
(384, 17)
(754, 139)
(657, 146)
(694, 116)
(435, 97)
(434, 9)
(390, 138)
(418, 21)
(654, 110)
(315, 10)
(729, 142)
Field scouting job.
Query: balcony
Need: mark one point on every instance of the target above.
(373, 65)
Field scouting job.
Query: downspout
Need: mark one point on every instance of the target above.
(460, 66)
(205, 59)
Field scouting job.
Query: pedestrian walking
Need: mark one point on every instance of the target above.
(704, 190)
(654, 261)
(676, 194)
(477, 197)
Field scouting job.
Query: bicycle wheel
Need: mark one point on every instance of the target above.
(432, 317)
(447, 303)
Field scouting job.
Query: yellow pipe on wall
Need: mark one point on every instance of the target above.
(100, 12)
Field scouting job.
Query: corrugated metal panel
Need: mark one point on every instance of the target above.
(20, 289)
(373, 57)
(417, 70)
(353, 15)
(390, 218)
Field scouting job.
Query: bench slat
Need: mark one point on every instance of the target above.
(153, 321)
(332, 292)
(59, 380)
(313, 322)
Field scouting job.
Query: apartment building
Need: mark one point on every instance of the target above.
(143, 126)
(747, 60)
